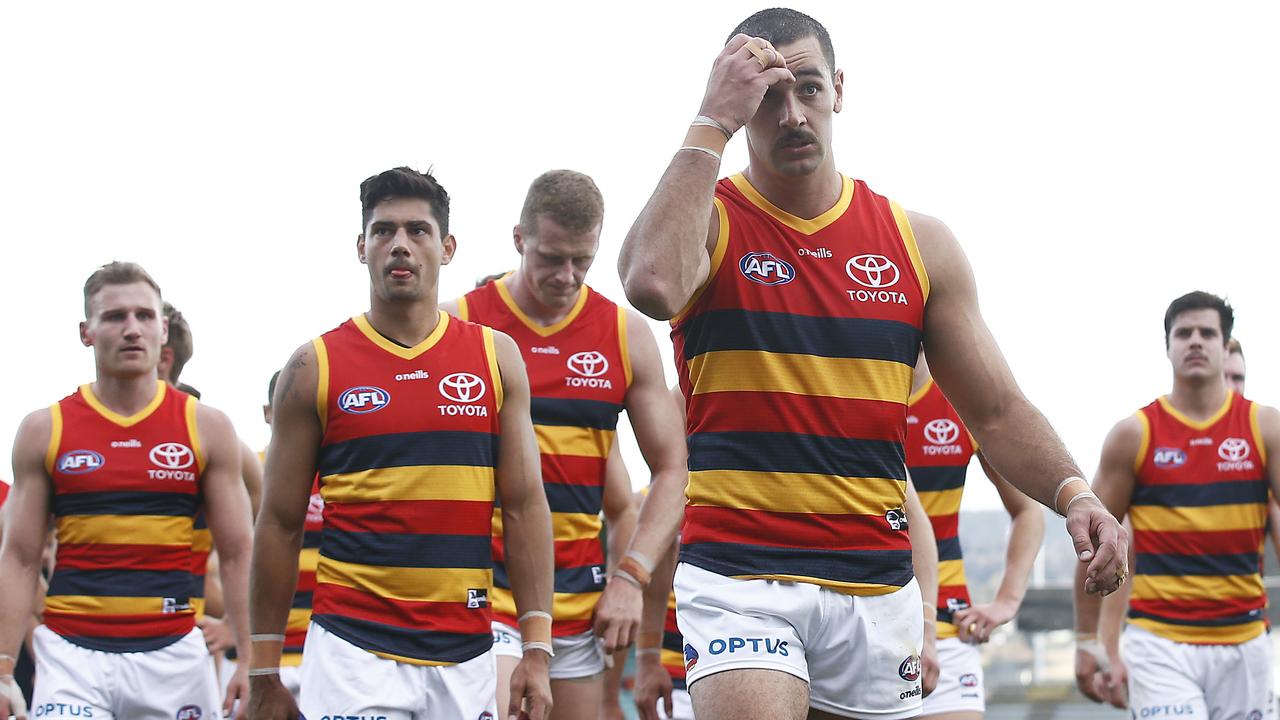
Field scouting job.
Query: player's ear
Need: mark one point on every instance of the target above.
(360, 248)
(449, 245)
(84, 334)
(517, 235)
(837, 82)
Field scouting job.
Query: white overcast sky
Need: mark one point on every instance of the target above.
(1095, 159)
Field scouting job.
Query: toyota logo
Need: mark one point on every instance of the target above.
(941, 431)
(172, 455)
(589, 364)
(873, 271)
(1234, 449)
(462, 387)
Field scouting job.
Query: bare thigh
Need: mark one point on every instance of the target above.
(750, 694)
(577, 699)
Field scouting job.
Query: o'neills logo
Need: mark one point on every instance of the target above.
(415, 375)
(1235, 455)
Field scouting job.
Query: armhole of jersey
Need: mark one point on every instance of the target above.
(1257, 433)
(495, 373)
(623, 345)
(55, 437)
(717, 258)
(973, 441)
(322, 383)
(193, 432)
(913, 250)
(463, 312)
(1144, 445)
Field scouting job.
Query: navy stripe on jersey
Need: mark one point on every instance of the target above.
(410, 448)
(880, 567)
(407, 550)
(794, 452)
(1201, 494)
(864, 338)
(1178, 564)
(311, 538)
(568, 580)
(672, 641)
(938, 478)
(123, 644)
(302, 600)
(574, 498)
(565, 412)
(949, 549)
(394, 640)
(121, 583)
(126, 503)
(1249, 617)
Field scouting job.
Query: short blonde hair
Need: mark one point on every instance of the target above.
(116, 273)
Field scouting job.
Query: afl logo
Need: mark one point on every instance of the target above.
(189, 712)
(79, 462)
(909, 670)
(941, 431)
(589, 364)
(172, 455)
(764, 268)
(363, 399)
(873, 271)
(462, 387)
(1169, 457)
(1234, 449)
(969, 680)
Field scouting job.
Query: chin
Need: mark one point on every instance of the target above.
(798, 168)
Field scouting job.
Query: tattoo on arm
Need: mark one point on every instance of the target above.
(290, 373)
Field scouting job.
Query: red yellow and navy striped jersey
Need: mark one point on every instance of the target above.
(295, 634)
(579, 371)
(795, 359)
(201, 547)
(406, 466)
(673, 647)
(125, 494)
(939, 448)
(1198, 512)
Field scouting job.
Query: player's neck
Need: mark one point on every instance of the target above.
(527, 301)
(1198, 399)
(406, 323)
(126, 395)
(806, 196)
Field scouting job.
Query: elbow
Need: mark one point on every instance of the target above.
(650, 294)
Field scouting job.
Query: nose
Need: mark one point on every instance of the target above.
(792, 115)
(400, 242)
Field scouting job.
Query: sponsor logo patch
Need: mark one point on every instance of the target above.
(766, 269)
(462, 387)
(79, 462)
(968, 680)
(363, 399)
(172, 456)
(690, 657)
(1169, 457)
(731, 645)
(588, 364)
(872, 271)
(415, 375)
(477, 598)
(1235, 455)
(896, 518)
(188, 712)
(909, 669)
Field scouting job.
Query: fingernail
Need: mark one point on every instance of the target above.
(1086, 555)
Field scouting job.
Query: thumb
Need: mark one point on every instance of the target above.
(1079, 530)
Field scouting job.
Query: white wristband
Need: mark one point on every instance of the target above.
(534, 613)
(1094, 648)
(266, 637)
(640, 558)
(535, 645)
(259, 672)
(628, 577)
(1087, 493)
(712, 153)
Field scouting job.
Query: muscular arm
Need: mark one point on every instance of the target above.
(25, 527)
(1016, 439)
(229, 517)
(1114, 485)
(290, 471)
(619, 506)
(251, 472)
(526, 518)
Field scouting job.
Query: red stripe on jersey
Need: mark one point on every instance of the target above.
(1201, 609)
(787, 413)
(119, 626)
(793, 530)
(93, 556)
(417, 517)
(452, 617)
(1222, 542)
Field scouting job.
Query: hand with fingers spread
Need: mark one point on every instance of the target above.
(1100, 542)
(531, 687)
(742, 73)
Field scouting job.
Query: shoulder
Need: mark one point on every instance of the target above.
(1268, 423)
(213, 423)
(937, 243)
(1127, 434)
(34, 433)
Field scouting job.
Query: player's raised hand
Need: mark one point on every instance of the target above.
(740, 76)
(1100, 542)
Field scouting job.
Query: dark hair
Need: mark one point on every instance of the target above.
(180, 341)
(1234, 347)
(1200, 300)
(781, 26)
(115, 273)
(567, 197)
(404, 182)
(189, 390)
(271, 387)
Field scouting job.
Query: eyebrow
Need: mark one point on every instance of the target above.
(809, 71)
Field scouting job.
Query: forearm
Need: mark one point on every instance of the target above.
(660, 259)
(16, 601)
(924, 556)
(234, 573)
(654, 616)
(529, 553)
(1111, 619)
(1019, 442)
(1026, 533)
(1087, 605)
(273, 579)
(660, 514)
(621, 528)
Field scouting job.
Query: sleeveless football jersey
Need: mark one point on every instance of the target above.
(125, 494)
(201, 547)
(939, 447)
(406, 467)
(795, 360)
(1199, 511)
(579, 371)
(673, 647)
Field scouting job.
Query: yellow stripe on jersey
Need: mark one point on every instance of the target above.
(1196, 587)
(289, 659)
(573, 606)
(951, 572)
(623, 344)
(464, 312)
(411, 482)
(1242, 516)
(576, 441)
(1145, 444)
(848, 588)
(942, 502)
(193, 432)
(86, 391)
(495, 374)
(308, 559)
(1257, 433)
(574, 526)
(757, 371)
(717, 259)
(671, 658)
(55, 437)
(126, 529)
(409, 660)
(299, 618)
(401, 583)
(104, 605)
(909, 242)
(202, 541)
(322, 382)
(1204, 635)
(794, 492)
(502, 601)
